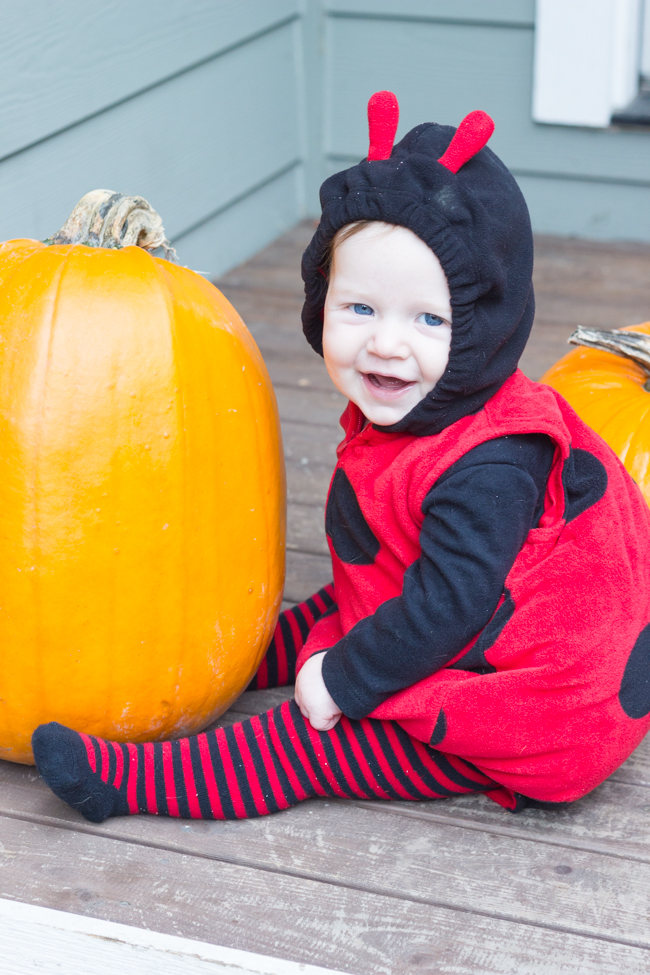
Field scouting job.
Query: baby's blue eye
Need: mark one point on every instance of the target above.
(428, 319)
(362, 309)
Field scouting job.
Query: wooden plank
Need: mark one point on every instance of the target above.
(274, 269)
(263, 307)
(268, 293)
(253, 909)
(273, 327)
(60, 62)
(305, 528)
(274, 338)
(316, 442)
(304, 405)
(583, 283)
(547, 344)
(382, 847)
(142, 146)
(636, 771)
(307, 486)
(612, 819)
(243, 708)
(306, 574)
(54, 941)
(307, 482)
(576, 282)
(298, 372)
(254, 702)
(356, 846)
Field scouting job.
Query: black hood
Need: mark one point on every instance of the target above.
(477, 224)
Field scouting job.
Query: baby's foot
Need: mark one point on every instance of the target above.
(62, 759)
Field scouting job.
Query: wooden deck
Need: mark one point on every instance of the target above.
(458, 887)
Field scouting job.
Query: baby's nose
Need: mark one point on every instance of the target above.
(388, 341)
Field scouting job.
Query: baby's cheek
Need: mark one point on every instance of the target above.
(340, 345)
(340, 356)
(433, 357)
(334, 371)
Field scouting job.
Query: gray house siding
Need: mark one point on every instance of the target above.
(194, 105)
(227, 114)
(444, 58)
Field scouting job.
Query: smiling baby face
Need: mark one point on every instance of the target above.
(387, 321)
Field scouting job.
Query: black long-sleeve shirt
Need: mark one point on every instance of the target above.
(477, 517)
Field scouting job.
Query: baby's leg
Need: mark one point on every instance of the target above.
(255, 767)
(278, 667)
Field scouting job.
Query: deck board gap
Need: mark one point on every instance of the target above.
(456, 822)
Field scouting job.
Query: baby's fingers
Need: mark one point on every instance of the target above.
(320, 723)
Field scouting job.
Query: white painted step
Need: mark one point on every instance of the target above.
(40, 941)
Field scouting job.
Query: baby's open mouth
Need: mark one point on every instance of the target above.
(387, 382)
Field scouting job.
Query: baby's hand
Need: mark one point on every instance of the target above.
(313, 698)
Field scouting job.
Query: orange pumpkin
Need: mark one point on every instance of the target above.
(141, 486)
(606, 381)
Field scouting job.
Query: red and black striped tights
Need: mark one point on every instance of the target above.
(254, 767)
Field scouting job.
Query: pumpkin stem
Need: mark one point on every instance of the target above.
(106, 219)
(629, 345)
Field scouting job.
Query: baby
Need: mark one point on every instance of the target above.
(488, 627)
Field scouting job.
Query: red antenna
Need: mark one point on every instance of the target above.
(383, 116)
(469, 138)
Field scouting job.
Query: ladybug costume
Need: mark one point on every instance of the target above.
(552, 692)
(488, 629)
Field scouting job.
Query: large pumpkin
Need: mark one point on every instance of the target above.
(606, 381)
(141, 486)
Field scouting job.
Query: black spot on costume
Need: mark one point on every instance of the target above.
(634, 693)
(349, 532)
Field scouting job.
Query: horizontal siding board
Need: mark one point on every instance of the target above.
(588, 209)
(243, 228)
(61, 62)
(515, 12)
(189, 147)
(458, 69)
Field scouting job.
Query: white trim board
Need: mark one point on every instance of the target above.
(40, 940)
(586, 60)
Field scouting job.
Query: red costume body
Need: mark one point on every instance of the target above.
(563, 707)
